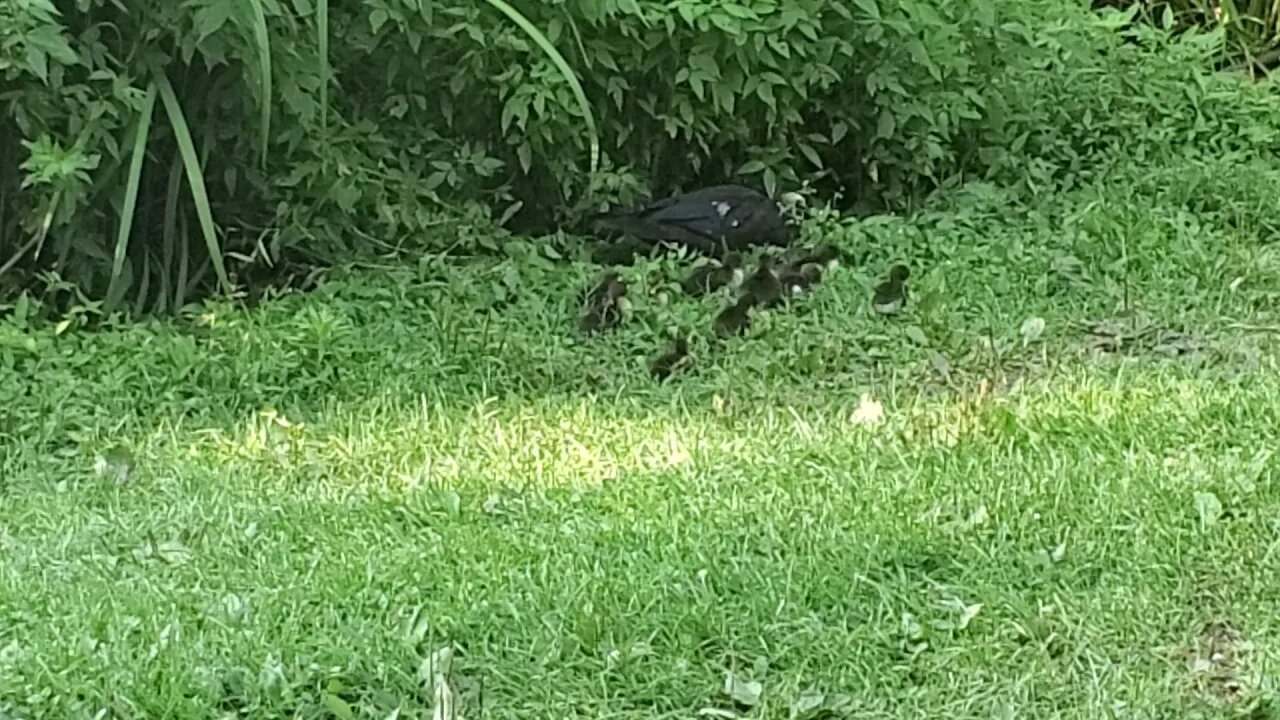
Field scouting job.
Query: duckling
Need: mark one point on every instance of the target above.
(604, 305)
(709, 278)
(802, 280)
(735, 319)
(763, 287)
(665, 365)
(622, 252)
(891, 295)
(825, 255)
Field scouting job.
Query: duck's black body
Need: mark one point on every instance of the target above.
(713, 220)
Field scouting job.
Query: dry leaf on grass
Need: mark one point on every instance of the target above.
(869, 412)
(435, 671)
(743, 692)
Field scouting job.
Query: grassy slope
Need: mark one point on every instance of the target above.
(598, 546)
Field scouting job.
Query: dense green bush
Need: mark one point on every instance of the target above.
(136, 132)
(871, 94)
(1133, 97)
(150, 151)
(1252, 26)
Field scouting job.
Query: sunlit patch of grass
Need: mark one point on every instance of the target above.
(803, 549)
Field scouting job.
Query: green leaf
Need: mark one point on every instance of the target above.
(870, 7)
(810, 154)
(524, 154)
(174, 552)
(773, 78)
(941, 365)
(765, 93)
(887, 124)
(38, 62)
(52, 43)
(210, 19)
(838, 132)
(337, 706)
(322, 39)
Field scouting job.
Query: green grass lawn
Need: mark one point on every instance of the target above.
(284, 511)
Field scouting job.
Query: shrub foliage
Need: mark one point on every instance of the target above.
(153, 151)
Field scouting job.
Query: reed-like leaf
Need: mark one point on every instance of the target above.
(169, 235)
(144, 286)
(195, 179)
(262, 48)
(184, 266)
(142, 133)
(322, 32)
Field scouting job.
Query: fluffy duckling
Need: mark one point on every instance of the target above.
(825, 255)
(666, 364)
(709, 278)
(622, 252)
(802, 280)
(890, 296)
(735, 319)
(763, 287)
(604, 306)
